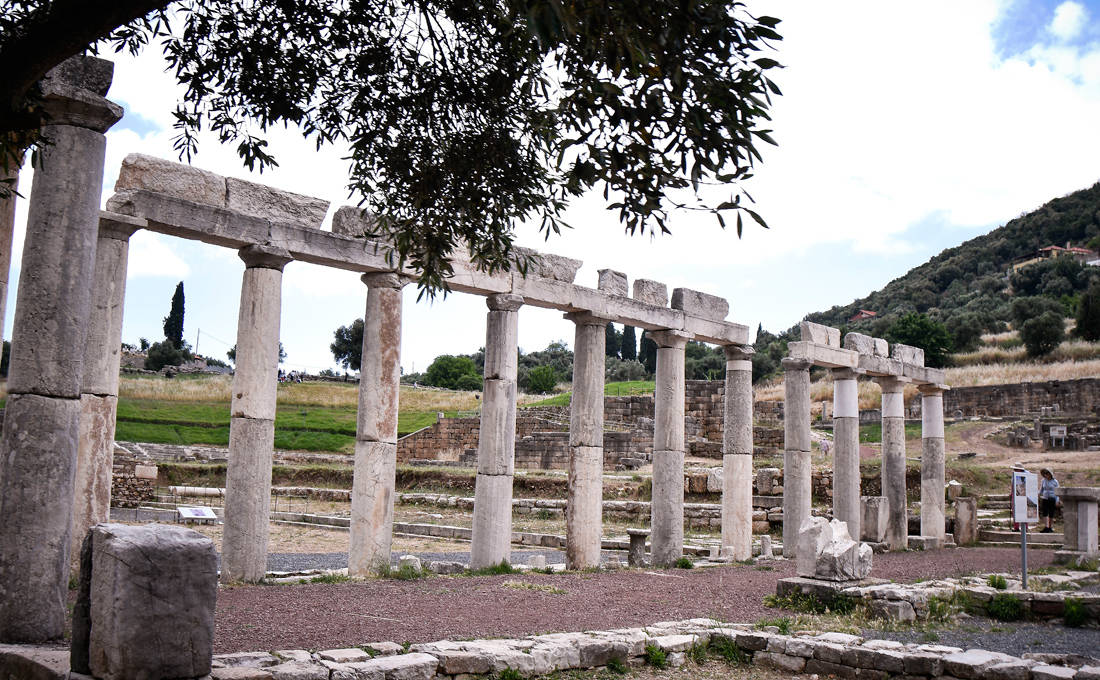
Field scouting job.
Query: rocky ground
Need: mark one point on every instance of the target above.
(325, 616)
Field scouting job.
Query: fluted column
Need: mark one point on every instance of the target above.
(932, 473)
(893, 462)
(376, 430)
(846, 449)
(42, 418)
(252, 416)
(99, 395)
(667, 507)
(584, 510)
(496, 446)
(797, 471)
(737, 454)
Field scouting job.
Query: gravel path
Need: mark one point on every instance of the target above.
(303, 561)
(1007, 638)
(251, 618)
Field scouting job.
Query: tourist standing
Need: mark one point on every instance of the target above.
(1048, 498)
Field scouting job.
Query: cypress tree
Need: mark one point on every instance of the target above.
(629, 351)
(173, 323)
(614, 339)
(1088, 313)
(648, 354)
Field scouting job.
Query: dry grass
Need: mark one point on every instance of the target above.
(1071, 350)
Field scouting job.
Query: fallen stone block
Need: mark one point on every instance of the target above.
(826, 551)
(302, 655)
(386, 648)
(240, 673)
(1009, 670)
(350, 655)
(412, 666)
(256, 659)
(446, 567)
(409, 562)
(972, 663)
(1052, 673)
(874, 518)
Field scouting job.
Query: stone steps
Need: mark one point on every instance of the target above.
(1008, 536)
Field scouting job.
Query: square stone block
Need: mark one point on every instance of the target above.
(820, 334)
(874, 517)
(651, 292)
(151, 602)
(613, 282)
(699, 304)
(908, 354)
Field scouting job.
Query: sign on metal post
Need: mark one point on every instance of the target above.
(195, 514)
(1025, 509)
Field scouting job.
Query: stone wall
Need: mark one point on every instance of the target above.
(1071, 396)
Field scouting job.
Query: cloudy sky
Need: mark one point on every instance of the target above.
(904, 129)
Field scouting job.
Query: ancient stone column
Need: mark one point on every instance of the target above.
(893, 461)
(252, 416)
(376, 431)
(99, 394)
(7, 227)
(496, 445)
(797, 471)
(846, 449)
(584, 511)
(667, 508)
(737, 454)
(932, 473)
(42, 419)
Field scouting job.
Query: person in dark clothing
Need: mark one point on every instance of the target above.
(1048, 498)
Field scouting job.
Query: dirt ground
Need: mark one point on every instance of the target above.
(1071, 468)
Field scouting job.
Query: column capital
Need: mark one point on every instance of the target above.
(847, 373)
(116, 229)
(586, 319)
(931, 389)
(891, 383)
(264, 256)
(385, 280)
(738, 352)
(74, 93)
(504, 302)
(669, 339)
(791, 364)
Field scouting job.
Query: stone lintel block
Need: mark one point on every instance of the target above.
(274, 205)
(613, 282)
(823, 355)
(548, 266)
(151, 604)
(354, 222)
(865, 344)
(921, 374)
(716, 332)
(651, 292)
(819, 334)
(467, 278)
(875, 365)
(140, 171)
(907, 354)
(700, 304)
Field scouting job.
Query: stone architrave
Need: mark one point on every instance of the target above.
(893, 462)
(99, 395)
(933, 476)
(584, 511)
(492, 527)
(737, 454)
(796, 450)
(846, 505)
(252, 416)
(38, 452)
(667, 509)
(372, 491)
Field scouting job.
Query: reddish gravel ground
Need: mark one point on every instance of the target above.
(254, 618)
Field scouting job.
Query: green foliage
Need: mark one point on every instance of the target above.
(783, 623)
(161, 354)
(1005, 607)
(616, 666)
(655, 656)
(940, 609)
(211, 361)
(1026, 308)
(470, 382)
(628, 350)
(921, 331)
(702, 362)
(447, 370)
(647, 354)
(810, 604)
(495, 570)
(347, 348)
(697, 652)
(728, 650)
(684, 563)
(232, 353)
(613, 341)
(542, 379)
(1042, 334)
(1088, 313)
(328, 579)
(1075, 614)
(173, 323)
(557, 355)
(997, 581)
(617, 370)
(509, 673)
(966, 331)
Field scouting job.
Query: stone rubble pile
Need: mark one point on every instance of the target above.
(826, 551)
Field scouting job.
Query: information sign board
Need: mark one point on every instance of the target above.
(1025, 497)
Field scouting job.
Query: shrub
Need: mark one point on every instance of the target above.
(727, 649)
(468, 383)
(497, 569)
(684, 563)
(1043, 333)
(509, 674)
(616, 666)
(997, 581)
(1075, 613)
(541, 379)
(783, 624)
(698, 652)
(655, 656)
(1005, 607)
(161, 354)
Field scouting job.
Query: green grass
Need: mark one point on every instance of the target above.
(872, 434)
(614, 389)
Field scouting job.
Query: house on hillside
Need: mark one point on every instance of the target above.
(1083, 255)
(863, 314)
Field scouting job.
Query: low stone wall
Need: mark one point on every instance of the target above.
(128, 490)
(1071, 396)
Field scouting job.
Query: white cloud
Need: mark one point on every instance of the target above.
(150, 255)
(1069, 20)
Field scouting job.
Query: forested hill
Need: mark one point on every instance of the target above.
(971, 283)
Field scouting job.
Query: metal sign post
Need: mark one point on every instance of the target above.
(1025, 510)
(1023, 554)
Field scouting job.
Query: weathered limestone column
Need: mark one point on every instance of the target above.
(496, 444)
(933, 477)
(797, 470)
(667, 508)
(737, 454)
(252, 416)
(7, 228)
(584, 510)
(893, 462)
(376, 431)
(846, 449)
(99, 395)
(42, 419)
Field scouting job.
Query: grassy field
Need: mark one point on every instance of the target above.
(613, 389)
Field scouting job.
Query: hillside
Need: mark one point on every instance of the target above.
(972, 279)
